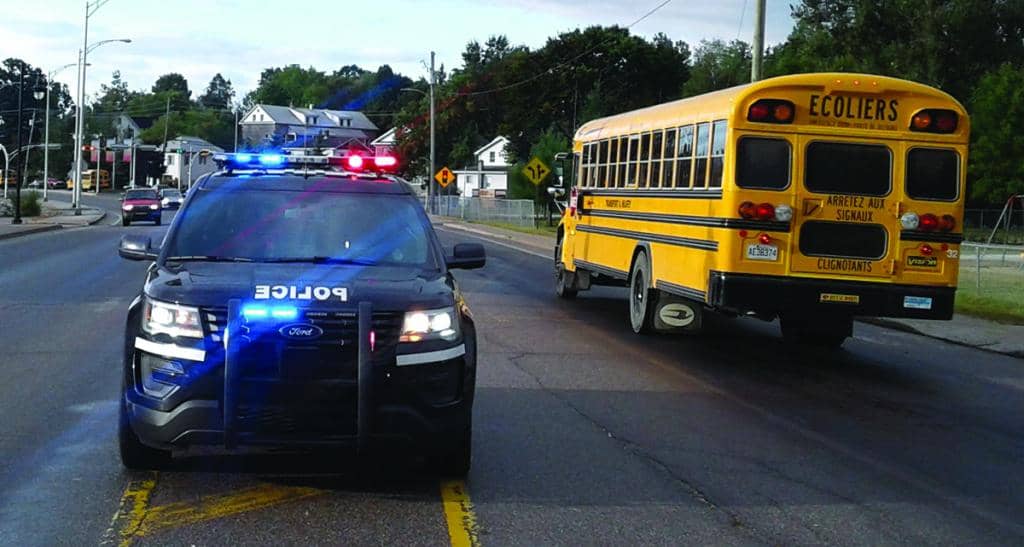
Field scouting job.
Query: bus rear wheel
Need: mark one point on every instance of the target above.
(818, 331)
(563, 281)
(641, 296)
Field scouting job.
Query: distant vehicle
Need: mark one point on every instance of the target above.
(171, 199)
(814, 198)
(140, 204)
(89, 179)
(51, 183)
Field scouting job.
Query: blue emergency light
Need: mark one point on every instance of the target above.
(259, 312)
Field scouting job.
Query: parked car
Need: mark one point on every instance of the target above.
(171, 199)
(51, 183)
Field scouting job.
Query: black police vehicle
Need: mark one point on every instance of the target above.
(299, 303)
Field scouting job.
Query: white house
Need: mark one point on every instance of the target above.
(183, 162)
(490, 172)
(385, 144)
(298, 127)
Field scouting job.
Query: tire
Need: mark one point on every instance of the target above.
(821, 332)
(562, 288)
(641, 296)
(134, 454)
(455, 457)
(158, 220)
(125, 221)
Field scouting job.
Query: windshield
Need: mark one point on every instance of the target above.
(172, 194)
(316, 227)
(140, 194)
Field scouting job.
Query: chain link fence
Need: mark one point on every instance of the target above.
(515, 212)
(992, 273)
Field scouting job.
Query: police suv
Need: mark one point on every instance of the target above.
(299, 301)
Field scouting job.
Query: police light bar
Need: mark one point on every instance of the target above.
(351, 162)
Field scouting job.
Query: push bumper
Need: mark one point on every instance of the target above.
(771, 295)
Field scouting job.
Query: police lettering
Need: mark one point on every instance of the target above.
(840, 265)
(854, 108)
(282, 292)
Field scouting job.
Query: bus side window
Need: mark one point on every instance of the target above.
(656, 155)
(602, 160)
(634, 152)
(577, 178)
(645, 160)
(668, 166)
(700, 171)
(585, 166)
(685, 155)
(718, 135)
(613, 156)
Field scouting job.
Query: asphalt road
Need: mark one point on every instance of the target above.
(583, 432)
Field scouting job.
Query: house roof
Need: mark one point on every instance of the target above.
(497, 140)
(324, 118)
(184, 141)
(388, 137)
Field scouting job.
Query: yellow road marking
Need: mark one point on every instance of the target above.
(131, 512)
(458, 512)
(184, 513)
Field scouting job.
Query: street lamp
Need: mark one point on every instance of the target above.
(46, 149)
(90, 9)
(430, 175)
(21, 156)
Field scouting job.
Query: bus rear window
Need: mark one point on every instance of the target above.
(763, 163)
(933, 174)
(847, 168)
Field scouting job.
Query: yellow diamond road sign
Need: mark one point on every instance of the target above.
(536, 170)
(445, 177)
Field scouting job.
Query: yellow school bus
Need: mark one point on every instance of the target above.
(90, 176)
(814, 198)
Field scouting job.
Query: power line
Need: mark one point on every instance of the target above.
(651, 12)
(743, 13)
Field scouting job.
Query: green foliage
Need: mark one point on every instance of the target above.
(717, 65)
(212, 125)
(31, 203)
(218, 93)
(997, 107)
(172, 82)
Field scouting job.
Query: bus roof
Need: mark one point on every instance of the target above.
(720, 104)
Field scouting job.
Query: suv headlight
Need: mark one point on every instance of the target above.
(171, 319)
(420, 326)
(154, 207)
(127, 206)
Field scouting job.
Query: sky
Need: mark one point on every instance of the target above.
(239, 38)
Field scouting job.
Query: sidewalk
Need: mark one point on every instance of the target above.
(55, 215)
(962, 329)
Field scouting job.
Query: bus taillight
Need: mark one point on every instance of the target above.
(748, 210)
(765, 211)
(947, 223)
(928, 222)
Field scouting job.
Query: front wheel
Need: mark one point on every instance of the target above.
(641, 296)
(134, 454)
(158, 220)
(563, 279)
(125, 221)
(455, 457)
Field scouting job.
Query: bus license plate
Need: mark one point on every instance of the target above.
(762, 252)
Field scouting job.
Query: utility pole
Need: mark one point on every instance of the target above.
(430, 176)
(756, 68)
(236, 131)
(167, 119)
(21, 155)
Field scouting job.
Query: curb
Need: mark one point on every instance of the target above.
(896, 325)
(34, 230)
(103, 215)
(502, 239)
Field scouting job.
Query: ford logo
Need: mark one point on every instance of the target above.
(301, 331)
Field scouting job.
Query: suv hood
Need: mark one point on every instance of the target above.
(206, 284)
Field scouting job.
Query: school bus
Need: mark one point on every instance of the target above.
(89, 178)
(811, 198)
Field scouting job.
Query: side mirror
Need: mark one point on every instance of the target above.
(135, 247)
(467, 256)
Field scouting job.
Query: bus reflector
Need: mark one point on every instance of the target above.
(765, 239)
(927, 250)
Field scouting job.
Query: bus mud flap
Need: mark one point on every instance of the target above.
(233, 338)
(677, 314)
(365, 378)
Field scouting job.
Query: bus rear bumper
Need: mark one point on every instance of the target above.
(772, 295)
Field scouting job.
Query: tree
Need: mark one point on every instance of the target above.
(172, 82)
(717, 65)
(219, 93)
(113, 97)
(997, 106)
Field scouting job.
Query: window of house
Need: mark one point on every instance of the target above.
(170, 159)
(700, 167)
(492, 156)
(684, 156)
(718, 135)
(291, 137)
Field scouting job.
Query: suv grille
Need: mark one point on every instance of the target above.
(844, 240)
(333, 355)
